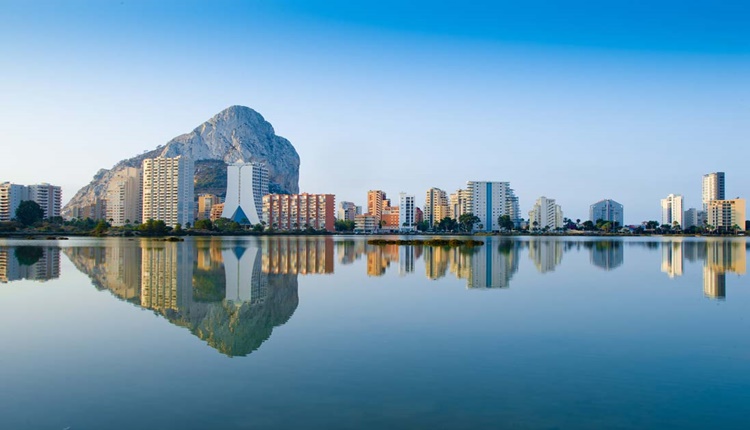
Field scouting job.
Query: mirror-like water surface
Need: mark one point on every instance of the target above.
(321, 332)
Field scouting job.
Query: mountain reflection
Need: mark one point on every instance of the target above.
(229, 293)
(232, 293)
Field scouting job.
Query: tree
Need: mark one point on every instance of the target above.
(423, 225)
(177, 228)
(652, 225)
(153, 228)
(29, 212)
(447, 224)
(100, 229)
(535, 225)
(204, 224)
(341, 225)
(588, 225)
(505, 222)
(467, 221)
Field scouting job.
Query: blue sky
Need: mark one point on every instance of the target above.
(577, 101)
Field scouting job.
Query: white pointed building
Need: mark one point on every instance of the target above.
(247, 183)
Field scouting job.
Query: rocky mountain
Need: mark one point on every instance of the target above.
(237, 133)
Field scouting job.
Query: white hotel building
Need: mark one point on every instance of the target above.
(489, 201)
(247, 183)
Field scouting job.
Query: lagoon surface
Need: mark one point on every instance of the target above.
(333, 333)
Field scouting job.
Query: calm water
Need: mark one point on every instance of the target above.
(332, 333)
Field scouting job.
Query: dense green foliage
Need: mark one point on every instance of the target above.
(467, 221)
(344, 225)
(153, 228)
(28, 255)
(29, 212)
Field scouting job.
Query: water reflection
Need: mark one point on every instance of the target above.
(606, 254)
(232, 293)
(35, 263)
(719, 258)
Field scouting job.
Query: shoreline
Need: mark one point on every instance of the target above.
(63, 235)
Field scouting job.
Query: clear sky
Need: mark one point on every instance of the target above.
(575, 100)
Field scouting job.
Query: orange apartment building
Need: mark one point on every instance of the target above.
(299, 211)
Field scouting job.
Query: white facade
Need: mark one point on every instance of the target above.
(11, 195)
(713, 188)
(406, 212)
(48, 197)
(671, 210)
(124, 199)
(168, 190)
(247, 183)
(546, 214)
(489, 201)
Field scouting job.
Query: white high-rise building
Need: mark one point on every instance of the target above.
(713, 188)
(48, 197)
(490, 200)
(11, 195)
(671, 210)
(546, 214)
(124, 199)
(247, 183)
(168, 190)
(406, 212)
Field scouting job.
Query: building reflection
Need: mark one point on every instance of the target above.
(232, 294)
(672, 258)
(606, 254)
(493, 268)
(298, 255)
(35, 263)
(546, 254)
(719, 257)
(722, 257)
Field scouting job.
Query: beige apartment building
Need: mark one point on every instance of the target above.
(436, 206)
(206, 202)
(726, 214)
(124, 197)
(168, 190)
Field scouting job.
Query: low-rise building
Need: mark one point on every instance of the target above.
(206, 202)
(216, 211)
(365, 223)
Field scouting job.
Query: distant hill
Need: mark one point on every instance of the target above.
(237, 133)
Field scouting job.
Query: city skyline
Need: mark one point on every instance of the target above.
(486, 92)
